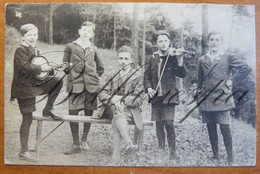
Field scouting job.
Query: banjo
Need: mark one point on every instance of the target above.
(41, 60)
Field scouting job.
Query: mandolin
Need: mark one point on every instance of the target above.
(41, 60)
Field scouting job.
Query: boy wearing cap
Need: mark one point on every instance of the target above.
(164, 99)
(25, 85)
(83, 81)
(122, 96)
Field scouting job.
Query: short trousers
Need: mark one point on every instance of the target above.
(162, 111)
(84, 100)
(219, 117)
(27, 105)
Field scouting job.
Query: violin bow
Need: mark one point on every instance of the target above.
(161, 74)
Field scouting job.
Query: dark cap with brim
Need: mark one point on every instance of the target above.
(27, 27)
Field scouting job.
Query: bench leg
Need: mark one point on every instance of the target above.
(38, 137)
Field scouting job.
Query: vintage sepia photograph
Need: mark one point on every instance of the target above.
(130, 84)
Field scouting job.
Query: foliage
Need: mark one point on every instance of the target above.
(246, 106)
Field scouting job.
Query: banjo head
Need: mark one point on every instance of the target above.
(39, 61)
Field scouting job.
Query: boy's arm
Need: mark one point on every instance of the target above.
(238, 63)
(23, 63)
(200, 75)
(99, 63)
(105, 92)
(135, 99)
(180, 70)
(66, 57)
(147, 73)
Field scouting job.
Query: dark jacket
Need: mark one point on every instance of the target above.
(87, 67)
(25, 84)
(168, 82)
(216, 74)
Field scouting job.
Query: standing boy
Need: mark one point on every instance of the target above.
(83, 81)
(165, 98)
(214, 72)
(25, 85)
(123, 96)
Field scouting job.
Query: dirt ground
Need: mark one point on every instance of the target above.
(193, 148)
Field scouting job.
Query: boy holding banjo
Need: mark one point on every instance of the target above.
(26, 85)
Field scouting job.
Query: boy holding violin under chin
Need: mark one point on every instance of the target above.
(26, 86)
(161, 70)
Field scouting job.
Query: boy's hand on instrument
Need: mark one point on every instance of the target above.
(180, 60)
(46, 68)
(151, 92)
(175, 52)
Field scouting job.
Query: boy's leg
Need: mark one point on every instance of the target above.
(225, 131)
(117, 140)
(86, 125)
(86, 130)
(24, 131)
(52, 88)
(24, 136)
(170, 136)
(136, 135)
(121, 124)
(213, 137)
(160, 133)
(74, 127)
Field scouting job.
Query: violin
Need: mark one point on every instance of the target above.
(180, 51)
(175, 51)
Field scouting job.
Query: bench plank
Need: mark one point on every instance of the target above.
(83, 119)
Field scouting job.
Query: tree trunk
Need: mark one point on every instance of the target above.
(114, 44)
(135, 31)
(51, 24)
(143, 45)
(205, 29)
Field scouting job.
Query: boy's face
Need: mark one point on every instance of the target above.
(30, 38)
(163, 42)
(215, 42)
(86, 32)
(124, 59)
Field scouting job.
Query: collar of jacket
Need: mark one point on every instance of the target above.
(219, 54)
(83, 46)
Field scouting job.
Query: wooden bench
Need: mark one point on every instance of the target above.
(83, 119)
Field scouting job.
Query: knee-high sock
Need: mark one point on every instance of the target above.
(24, 131)
(213, 137)
(86, 125)
(160, 133)
(225, 131)
(170, 133)
(74, 127)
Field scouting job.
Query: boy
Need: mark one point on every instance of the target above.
(214, 67)
(25, 85)
(164, 99)
(123, 97)
(83, 81)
